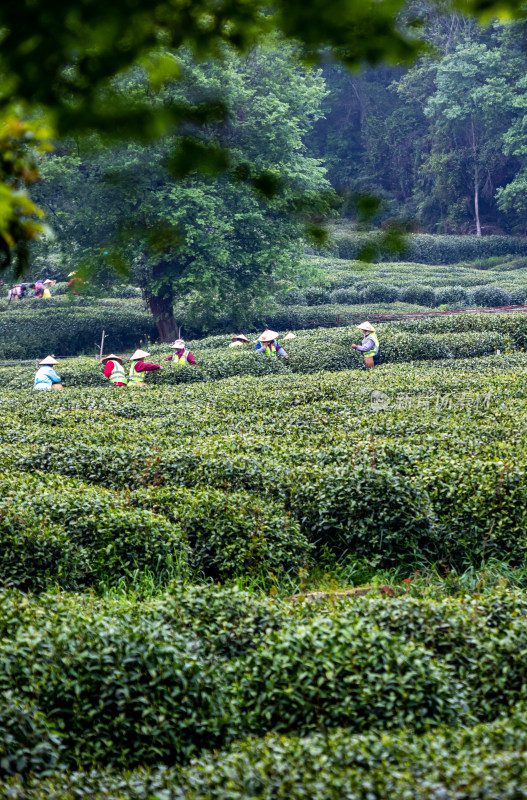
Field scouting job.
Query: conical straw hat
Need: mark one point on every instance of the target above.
(49, 360)
(267, 336)
(240, 338)
(365, 326)
(71, 274)
(289, 336)
(139, 354)
(112, 357)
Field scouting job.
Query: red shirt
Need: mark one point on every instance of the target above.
(191, 359)
(139, 365)
(109, 368)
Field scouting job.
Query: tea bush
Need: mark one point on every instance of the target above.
(428, 249)
(231, 533)
(490, 296)
(129, 683)
(421, 295)
(383, 293)
(75, 536)
(71, 328)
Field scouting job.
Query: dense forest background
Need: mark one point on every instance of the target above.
(214, 210)
(444, 143)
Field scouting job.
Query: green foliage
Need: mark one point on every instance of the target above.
(426, 249)
(75, 536)
(68, 329)
(232, 534)
(28, 742)
(490, 296)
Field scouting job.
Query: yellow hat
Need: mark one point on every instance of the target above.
(139, 354)
(48, 360)
(365, 326)
(111, 357)
(267, 336)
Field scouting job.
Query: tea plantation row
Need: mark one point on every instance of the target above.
(123, 683)
(452, 337)
(258, 476)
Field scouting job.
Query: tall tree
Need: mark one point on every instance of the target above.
(212, 242)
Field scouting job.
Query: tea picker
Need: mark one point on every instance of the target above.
(46, 377)
(370, 345)
(268, 345)
(139, 368)
(182, 357)
(114, 370)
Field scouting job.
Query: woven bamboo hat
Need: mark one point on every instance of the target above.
(179, 344)
(268, 336)
(365, 326)
(111, 357)
(71, 274)
(49, 360)
(139, 354)
(240, 338)
(289, 336)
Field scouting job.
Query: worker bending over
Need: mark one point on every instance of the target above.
(239, 340)
(114, 370)
(268, 345)
(46, 377)
(182, 357)
(370, 345)
(139, 368)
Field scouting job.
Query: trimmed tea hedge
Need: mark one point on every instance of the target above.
(431, 249)
(126, 684)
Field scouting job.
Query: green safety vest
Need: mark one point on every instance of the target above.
(375, 351)
(118, 374)
(179, 360)
(271, 350)
(134, 376)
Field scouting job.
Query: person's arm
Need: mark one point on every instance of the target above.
(280, 350)
(191, 360)
(366, 346)
(259, 347)
(54, 378)
(169, 358)
(141, 366)
(108, 369)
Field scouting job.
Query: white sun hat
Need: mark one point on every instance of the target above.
(112, 357)
(179, 344)
(268, 336)
(366, 326)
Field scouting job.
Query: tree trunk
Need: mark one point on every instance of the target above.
(163, 314)
(476, 180)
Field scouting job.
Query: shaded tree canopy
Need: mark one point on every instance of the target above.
(59, 60)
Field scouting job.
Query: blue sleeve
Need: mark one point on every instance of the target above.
(54, 378)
